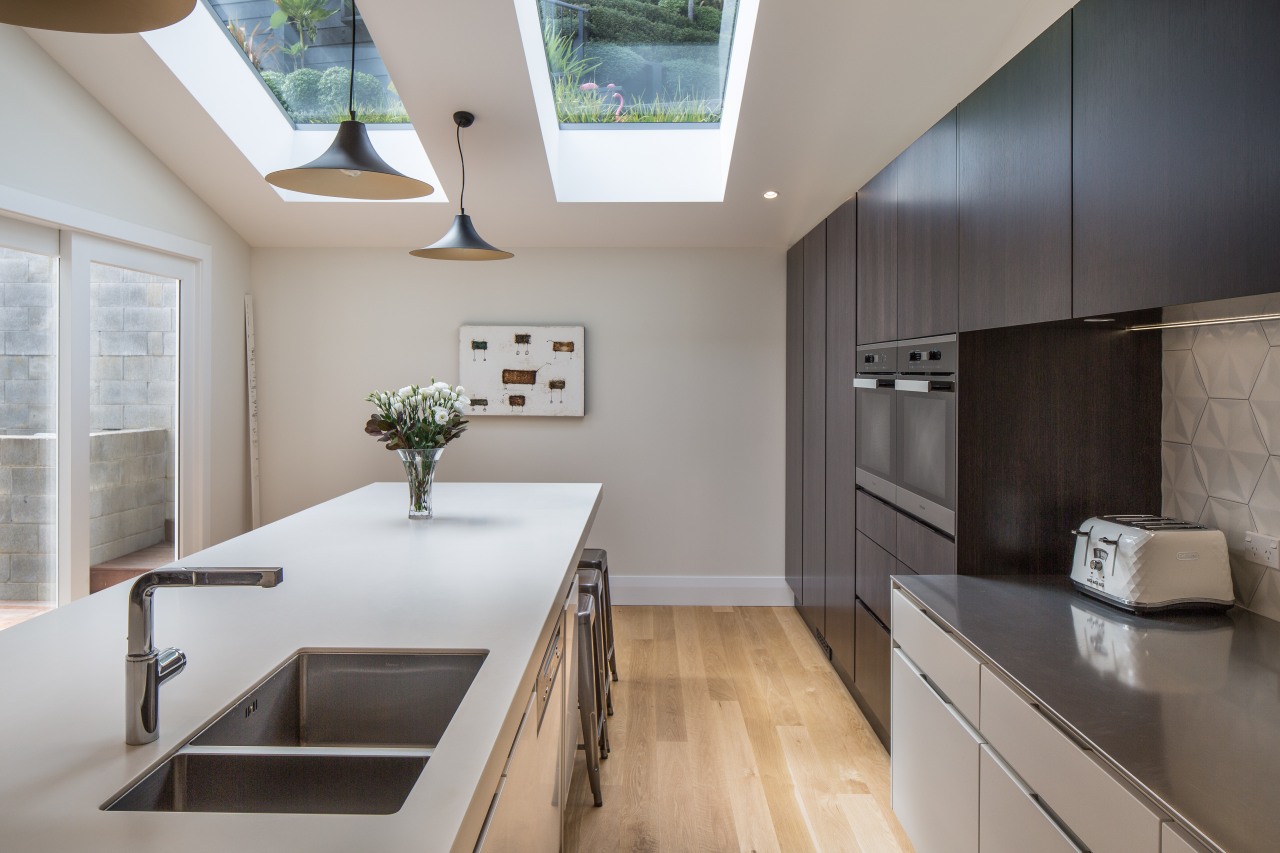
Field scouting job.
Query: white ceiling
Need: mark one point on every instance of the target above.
(835, 89)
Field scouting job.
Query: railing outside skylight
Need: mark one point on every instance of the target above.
(301, 50)
(615, 63)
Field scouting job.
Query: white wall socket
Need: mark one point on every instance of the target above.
(1260, 548)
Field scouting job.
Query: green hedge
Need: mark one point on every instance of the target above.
(646, 22)
(616, 63)
(309, 94)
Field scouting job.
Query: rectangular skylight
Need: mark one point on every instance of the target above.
(301, 50)
(618, 63)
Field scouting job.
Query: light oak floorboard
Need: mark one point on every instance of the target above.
(732, 732)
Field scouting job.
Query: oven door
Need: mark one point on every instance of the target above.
(874, 455)
(926, 429)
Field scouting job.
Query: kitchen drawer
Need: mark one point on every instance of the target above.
(934, 774)
(1010, 818)
(946, 663)
(1103, 811)
(871, 651)
(871, 580)
(1175, 839)
(926, 551)
(876, 519)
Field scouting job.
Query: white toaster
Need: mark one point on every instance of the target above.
(1144, 563)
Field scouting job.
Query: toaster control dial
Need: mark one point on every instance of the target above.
(1096, 565)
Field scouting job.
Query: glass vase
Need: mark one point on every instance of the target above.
(420, 470)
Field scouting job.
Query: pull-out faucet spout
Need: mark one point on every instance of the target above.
(145, 668)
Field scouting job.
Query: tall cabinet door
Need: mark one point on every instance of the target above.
(794, 532)
(842, 311)
(927, 233)
(1014, 149)
(1176, 177)
(814, 569)
(877, 258)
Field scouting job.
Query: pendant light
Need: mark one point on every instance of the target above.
(351, 167)
(95, 16)
(461, 242)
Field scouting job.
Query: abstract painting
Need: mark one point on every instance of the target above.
(523, 370)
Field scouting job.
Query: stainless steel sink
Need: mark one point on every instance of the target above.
(325, 732)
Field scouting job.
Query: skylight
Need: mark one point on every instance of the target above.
(276, 132)
(643, 66)
(638, 61)
(301, 50)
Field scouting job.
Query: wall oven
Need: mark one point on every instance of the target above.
(874, 455)
(925, 430)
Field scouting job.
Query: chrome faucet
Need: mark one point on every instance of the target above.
(145, 668)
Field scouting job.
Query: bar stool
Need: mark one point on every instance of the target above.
(588, 697)
(598, 558)
(591, 582)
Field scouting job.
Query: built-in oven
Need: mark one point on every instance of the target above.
(924, 421)
(874, 451)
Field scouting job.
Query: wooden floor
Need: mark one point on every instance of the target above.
(732, 732)
(129, 566)
(13, 612)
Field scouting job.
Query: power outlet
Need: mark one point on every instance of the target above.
(1260, 548)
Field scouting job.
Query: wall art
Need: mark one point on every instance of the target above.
(523, 370)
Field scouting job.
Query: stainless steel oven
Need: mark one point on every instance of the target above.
(924, 423)
(874, 449)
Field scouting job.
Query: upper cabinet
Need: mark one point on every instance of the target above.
(1176, 171)
(927, 233)
(877, 258)
(1014, 152)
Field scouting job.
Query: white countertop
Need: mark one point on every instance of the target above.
(484, 574)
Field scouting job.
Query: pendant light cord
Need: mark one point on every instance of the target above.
(351, 84)
(462, 195)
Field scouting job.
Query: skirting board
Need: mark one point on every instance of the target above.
(704, 591)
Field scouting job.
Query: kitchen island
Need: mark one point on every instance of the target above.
(488, 573)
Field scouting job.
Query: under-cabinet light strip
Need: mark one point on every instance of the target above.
(1182, 324)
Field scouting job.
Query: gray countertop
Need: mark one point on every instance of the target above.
(1185, 706)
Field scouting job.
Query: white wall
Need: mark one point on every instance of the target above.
(59, 143)
(685, 394)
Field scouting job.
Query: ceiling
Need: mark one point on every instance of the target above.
(835, 89)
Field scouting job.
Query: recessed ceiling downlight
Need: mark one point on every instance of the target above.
(771, 194)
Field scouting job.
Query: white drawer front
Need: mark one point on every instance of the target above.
(939, 656)
(1175, 839)
(1010, 820)
(1104, 811)
(934, 778)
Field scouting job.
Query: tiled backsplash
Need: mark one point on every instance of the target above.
(1221, 433)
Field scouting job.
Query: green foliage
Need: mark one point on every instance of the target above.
(707, 18)
(616, 63)
(302, 90)
(275, 82)
(675, 7)
(306, 16)
(642, 22)
(370, 94)
(680, 110)
(689, 75)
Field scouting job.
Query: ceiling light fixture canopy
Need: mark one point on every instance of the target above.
(95, 16)
(351, 167)
(462, 242)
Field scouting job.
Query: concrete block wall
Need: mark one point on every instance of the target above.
(28, 518)
(28, 331)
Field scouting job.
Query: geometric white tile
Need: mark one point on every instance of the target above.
(1245, 577)
(1182, 491)
(1233, 519)
(1265, 399)
(1230, 357)
(1177, 338)
(1272, 329)
(1182, 396)
(1266, 600)
(1264, 506)
(1229, 450)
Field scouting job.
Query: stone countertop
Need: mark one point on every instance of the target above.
(485, 574)
(1187, 707)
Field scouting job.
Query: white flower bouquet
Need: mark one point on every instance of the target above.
(415, 418)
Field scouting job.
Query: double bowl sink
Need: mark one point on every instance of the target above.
(324, 733)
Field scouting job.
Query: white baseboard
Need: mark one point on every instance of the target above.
(706, 590)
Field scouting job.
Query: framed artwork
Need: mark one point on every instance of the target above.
(523, 370)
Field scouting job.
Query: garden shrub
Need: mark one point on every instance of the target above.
(707, 18)
(370, 94)
(638, 21)
(302, 90)
(275, 82)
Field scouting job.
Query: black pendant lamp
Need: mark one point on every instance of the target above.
(461, 242)
(95, 16)
(351, 167)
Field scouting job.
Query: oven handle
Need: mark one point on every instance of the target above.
(873, 383)
(922, 386)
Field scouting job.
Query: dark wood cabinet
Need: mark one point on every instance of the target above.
(1014, 154)
(841, 340)
(924, 550)
(927, 233)
(878, 258)
(878, 521)
(871, 682)
(793, 530)
(814, 430)
(1176, 167)
(875, 566)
